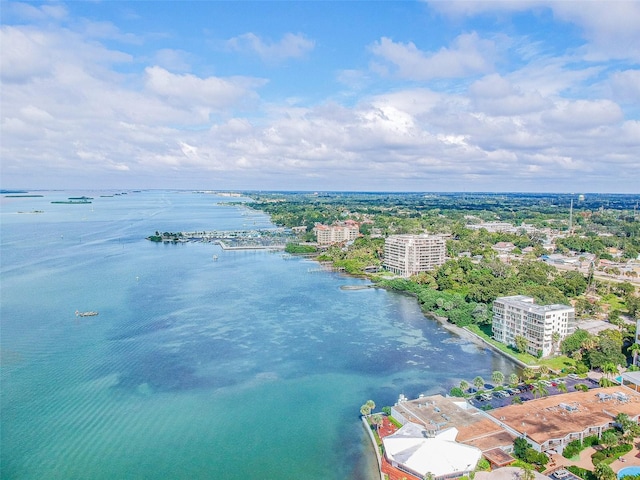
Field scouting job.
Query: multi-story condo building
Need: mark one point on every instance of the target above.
(519, 316)
(408, 255)
(329, 234)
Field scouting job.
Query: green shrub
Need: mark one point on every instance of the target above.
(608, 455)
(572, 449)
(456, 392)
(581, 472)
(590, 441)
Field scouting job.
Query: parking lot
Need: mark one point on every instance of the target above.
(501, 398)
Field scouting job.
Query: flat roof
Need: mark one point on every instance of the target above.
(544, 418)
(499, 457)
(436, 412)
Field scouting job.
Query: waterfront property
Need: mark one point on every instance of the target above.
(407, 255)
(543, 326)
(550, 423)
(336, 233)
(414, 450)
(436, 414)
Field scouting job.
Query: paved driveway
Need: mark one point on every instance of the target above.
(526, 395)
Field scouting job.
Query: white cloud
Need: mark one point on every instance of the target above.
(68, 105)
(611, 28)
(625, 86)
(26, 11)
(469, 54)
(24, 54)
(290, 46)
(495, 95)
(581, 114)
(191, 91)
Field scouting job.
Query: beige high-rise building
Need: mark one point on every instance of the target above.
(407, 255)
(329, 234)
(519, 316)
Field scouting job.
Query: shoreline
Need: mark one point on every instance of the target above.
(472, 337)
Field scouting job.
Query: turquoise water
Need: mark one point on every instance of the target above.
(628, 471)
(248, 367)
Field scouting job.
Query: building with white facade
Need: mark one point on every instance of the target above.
(413, 450)
(408, 255)
(340, 232)
(519, 316)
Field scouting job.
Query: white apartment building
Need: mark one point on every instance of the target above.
(329, 234)
(518, 315)
(408, 255)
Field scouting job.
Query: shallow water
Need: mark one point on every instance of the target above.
(252, 365)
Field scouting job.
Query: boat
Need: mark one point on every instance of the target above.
(86, 314)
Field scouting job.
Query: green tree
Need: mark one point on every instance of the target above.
(456, 392)
(609, 439)
(528, 373)
(376, 420)
(540, 390)
(609, 369)
(573, 343)
(521, 343)
(520, 447)
(604, 472)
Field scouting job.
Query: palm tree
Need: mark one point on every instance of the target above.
(562, 387)
(526, 473)
(478, 381)
(497, 377)
(589, 343)
(464, 385)
(604, 472)
(365, 410)
(544, 370)
(521, 343)
(528, 373)
(376, 419)
(513, 379)
(609, 369)
(371, 404)
(539, 389)
(609, 439)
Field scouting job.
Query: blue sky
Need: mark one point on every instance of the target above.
(351, 95)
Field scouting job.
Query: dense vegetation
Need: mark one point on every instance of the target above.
(464, 288)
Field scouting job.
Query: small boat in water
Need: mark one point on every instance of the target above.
(86, 314)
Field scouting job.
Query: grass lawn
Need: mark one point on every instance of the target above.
(554, 363)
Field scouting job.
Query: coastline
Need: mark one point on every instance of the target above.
(472, 337)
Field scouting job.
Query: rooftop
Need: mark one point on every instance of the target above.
(439, 413)
(558, 415)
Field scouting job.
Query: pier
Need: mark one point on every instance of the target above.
(263, 239)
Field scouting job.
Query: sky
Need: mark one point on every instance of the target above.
(491, 96)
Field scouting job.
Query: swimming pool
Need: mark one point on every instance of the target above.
(628, 471)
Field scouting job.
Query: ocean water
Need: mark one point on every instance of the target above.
(251, 366)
